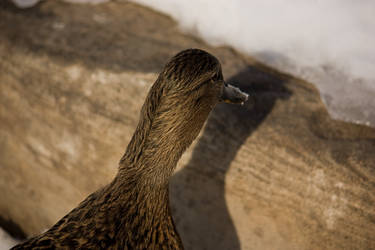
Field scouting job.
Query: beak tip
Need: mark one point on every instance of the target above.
(246, 96)
(234, 95)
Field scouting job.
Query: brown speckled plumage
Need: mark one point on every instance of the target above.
(132, 212)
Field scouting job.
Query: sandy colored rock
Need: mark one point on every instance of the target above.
(277, 173)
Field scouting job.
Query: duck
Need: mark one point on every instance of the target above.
(133, 210)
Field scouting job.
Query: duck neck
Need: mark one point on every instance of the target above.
(159, 141)
(152, 156)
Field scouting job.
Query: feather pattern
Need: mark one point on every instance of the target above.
(132, 212)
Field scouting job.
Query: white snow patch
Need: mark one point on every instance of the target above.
(330, 43)
(6, 241)
(25, 3)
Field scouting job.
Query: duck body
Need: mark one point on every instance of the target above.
(108, 219)
(132, 212)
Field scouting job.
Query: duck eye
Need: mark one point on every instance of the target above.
(215, 78)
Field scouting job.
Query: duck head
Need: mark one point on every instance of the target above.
(176, 107)
(187, 89)
(195, 74)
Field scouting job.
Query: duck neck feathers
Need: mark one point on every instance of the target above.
(168, 124)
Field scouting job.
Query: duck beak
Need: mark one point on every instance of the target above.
(233, 95)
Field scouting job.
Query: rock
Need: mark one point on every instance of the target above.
(277, 173)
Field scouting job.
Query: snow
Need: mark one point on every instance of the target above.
(6, 241)
(329, 43)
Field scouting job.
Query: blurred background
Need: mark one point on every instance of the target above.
(295, 169)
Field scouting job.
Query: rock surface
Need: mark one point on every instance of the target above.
(277, 173)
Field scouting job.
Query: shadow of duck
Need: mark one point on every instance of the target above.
(198, 191)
